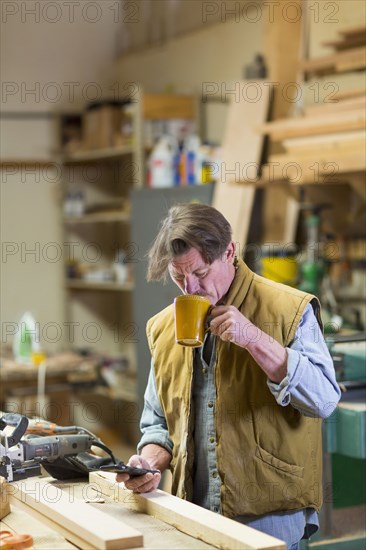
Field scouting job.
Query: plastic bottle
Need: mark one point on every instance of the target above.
(26, 340)
(193, 160)
(161, 164)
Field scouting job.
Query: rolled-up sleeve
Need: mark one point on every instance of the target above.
(153, 424)
(310, 385)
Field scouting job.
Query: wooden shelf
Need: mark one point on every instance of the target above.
(342, 61)
(79, 284)
(98, 217)
(32, 163)
(99, 154)
(168, 106)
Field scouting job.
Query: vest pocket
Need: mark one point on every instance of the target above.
(278, 464)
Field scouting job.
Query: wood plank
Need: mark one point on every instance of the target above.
(354, 56)
(345, 94)
(353, 31)
(99, 217)
(31, 164)
(44, 537)
(187, 517)
(166, 106)
(241, 155)
(316, 168)
(92, 526)
(283, 66)
(94, 155)
(57, 528)
(307, 126)
(345, 44)
(325, 142)
(81, 284)
(337, 106)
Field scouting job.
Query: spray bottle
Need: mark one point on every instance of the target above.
(161, 164)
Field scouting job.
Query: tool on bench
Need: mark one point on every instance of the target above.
(11, 541)
(122, 468)
(64, 456)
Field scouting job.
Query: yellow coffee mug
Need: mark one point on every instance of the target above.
(190, 312)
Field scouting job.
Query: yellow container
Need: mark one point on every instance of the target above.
(282, 269)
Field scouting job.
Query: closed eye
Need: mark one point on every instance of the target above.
(201, 274)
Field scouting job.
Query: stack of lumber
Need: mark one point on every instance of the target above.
(349, 55)
(327, 141)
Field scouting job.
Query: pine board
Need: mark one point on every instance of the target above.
(44, 538)
(347, 43)
(241, 155)
(330, 63)
(318, 167)
(346, 94)
(94, 528)
(326, 142)
(308, 126)
(187, 517)
(336, 106)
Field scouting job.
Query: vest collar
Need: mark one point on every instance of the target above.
(240, 286)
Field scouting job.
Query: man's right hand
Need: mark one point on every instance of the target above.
(153, 457)
(140, 484)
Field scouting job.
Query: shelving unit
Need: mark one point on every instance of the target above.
(98, 231)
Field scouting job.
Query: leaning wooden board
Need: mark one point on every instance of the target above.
(241, 156)
(76, 519)
(187, 517)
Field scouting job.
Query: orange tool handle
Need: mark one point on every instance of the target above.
(9, 541)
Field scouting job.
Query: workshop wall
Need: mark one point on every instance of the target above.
(66, 62)
(51, 60)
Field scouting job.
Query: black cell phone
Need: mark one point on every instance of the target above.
(124, 469)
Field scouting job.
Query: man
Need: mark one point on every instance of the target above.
(238, 421)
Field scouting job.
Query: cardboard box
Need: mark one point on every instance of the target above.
(100, 125)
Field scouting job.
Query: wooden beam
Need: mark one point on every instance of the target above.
(19, 521)
(187, 517)
(338, 106)
(354, 58)
(347, 42)
(241, 154)
(326, 142)
(77, 518)
(283, 69)
(307, 126)
(346, 94)
(317, 167)
(353, 31)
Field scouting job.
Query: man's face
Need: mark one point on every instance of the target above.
(193, 276)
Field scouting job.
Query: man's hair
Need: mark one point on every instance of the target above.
(188, 226)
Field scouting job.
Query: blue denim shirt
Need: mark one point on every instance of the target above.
(316, 395)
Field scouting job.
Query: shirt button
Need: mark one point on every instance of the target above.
(212, 440)
(204, 370)
(214, 474)
(210, 404)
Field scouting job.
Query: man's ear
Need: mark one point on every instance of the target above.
(230, 252)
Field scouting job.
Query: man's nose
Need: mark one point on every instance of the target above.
(191, 285)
